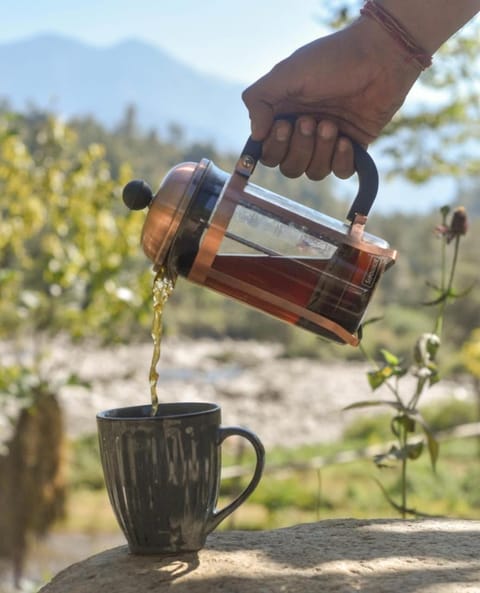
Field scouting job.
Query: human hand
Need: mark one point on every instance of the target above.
(346, 85)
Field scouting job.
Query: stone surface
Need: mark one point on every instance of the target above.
(341, 556)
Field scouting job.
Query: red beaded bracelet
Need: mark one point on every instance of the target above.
(396, 30)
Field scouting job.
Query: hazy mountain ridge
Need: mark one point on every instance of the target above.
(74, 78)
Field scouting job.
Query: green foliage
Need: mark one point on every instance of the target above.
(68, 252)
(390, 371)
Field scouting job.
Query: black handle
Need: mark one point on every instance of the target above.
(364, 166)
(253, 149)
(367, 182)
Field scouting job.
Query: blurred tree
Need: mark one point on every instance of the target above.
(68, 263)
(68, 248)
(437, 132)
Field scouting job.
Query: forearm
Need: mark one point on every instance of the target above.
(432, 22)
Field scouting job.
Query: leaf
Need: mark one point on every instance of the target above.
(433, 449)
(372, 320)
(371, 403)
(434, 377)
(449, 294)
(381, 461)
(392, 503)
(393, 454)
(404, 420)
(365, 323)
(376, 379)
(432, 443)
(437, 301)
(414, 450)
(432, 285)
(410, 451)
(465, 292)
(389, 358)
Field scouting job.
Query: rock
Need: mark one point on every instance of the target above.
(341, 556)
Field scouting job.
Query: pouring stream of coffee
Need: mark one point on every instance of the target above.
(163, 286)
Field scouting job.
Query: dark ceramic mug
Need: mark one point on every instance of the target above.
(162, 473)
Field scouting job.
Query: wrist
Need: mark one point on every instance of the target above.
(403, 39)
(386, 63)
(431, 22)
(381, 48)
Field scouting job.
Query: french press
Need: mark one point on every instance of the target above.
(281, 257)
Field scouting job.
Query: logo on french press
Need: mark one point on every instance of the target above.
(370, 276)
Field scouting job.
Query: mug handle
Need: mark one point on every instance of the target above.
(225, 432)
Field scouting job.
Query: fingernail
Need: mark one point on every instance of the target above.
(282, 133)
(327, 130)
(257, 131)
(307, 127)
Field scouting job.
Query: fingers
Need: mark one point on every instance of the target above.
(342, 162)
(276, 145)
(301, 147)
(308, 147)
(325, 142)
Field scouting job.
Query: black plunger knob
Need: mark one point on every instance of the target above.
(137, 194)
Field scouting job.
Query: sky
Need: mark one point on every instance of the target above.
(238, 41)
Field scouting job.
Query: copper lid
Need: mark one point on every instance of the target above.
(168, 208)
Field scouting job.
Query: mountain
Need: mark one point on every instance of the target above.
(72, 78)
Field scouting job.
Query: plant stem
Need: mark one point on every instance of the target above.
(403, 482)
(446, 290)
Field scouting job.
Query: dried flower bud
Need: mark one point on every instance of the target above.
(445, 211)
(426, 348)
(459, 225)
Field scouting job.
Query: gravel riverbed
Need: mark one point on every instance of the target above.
(285, 401)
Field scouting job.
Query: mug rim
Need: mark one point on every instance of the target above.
(196, 409)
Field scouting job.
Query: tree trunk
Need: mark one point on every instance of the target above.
(32, 493)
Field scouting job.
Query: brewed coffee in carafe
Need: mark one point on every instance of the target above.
(223, 232)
